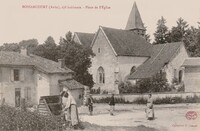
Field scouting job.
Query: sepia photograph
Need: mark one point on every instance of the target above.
(100, 65)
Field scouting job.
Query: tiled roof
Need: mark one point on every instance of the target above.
(134, 20)
(85, 38)
(195, 61)
(161, 55)
(17, 59)
(127, 43)
(71, 84)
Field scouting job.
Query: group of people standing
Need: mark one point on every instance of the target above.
(71, 112)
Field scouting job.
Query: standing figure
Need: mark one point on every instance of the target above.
(149, 109)
(112, 104)
(90, 104)
(71, 110)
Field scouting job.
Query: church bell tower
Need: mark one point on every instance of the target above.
(135, 22)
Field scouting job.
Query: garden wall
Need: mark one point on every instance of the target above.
(131, 98)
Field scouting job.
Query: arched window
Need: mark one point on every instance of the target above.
(180, 76)
(133, 69)
(101, 75)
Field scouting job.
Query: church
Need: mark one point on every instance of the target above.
(124, 54)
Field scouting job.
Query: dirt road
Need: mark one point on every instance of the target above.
(167, 117)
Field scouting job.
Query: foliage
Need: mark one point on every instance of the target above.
(47, 49)
(157, 83)
(15, 119)
(127, 87)
(157, 101)
(162, 34)
(10, 47)
(95, 91)
(77, 58)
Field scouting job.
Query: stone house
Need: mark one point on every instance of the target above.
(124, 54)
(29, 77)
(191, 73)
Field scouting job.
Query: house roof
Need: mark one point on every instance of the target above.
(161, 55)
(85, 38)
(194, 61)
(17, 59)
(127, 43)
(71, 84)
(134, 20)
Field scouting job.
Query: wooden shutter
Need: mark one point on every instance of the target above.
(12, 75)
(21, 73)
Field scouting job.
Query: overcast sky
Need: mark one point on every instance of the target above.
(17, 23)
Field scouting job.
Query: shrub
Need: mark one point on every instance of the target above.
(143, 100)
(95, 91)
(15, 119)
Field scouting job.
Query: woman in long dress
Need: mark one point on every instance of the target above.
(71, 111)
(149, 109)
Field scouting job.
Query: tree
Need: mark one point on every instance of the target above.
(47, 49)
(179, 32)
(10, 47)
(30, 45)
(77, 58)
(162, 34)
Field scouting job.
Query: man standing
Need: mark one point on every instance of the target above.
(90, 104)
(112, 104)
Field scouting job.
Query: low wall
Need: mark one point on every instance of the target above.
(133, 97)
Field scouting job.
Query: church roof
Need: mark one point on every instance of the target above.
(161, 55)
(85, 38)
(194, 61)
(16, 59)
(134, 20)
(127, 43)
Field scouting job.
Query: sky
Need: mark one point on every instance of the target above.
(19, 23)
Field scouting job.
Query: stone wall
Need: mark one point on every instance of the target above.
(132, 97)
(105, 58)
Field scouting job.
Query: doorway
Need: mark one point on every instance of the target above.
(17, 97)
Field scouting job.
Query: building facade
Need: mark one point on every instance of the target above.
(29, 77)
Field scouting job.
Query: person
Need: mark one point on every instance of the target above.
(149, 109)
(112, 104)
(71, 111)
(90, 104)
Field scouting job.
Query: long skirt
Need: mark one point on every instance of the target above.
(150, 113)
(73, 112)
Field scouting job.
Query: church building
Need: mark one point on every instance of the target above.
(124, 54)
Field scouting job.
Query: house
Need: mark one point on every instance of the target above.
(29, 77)
(191, 73)
(76, 89)
(124, 54)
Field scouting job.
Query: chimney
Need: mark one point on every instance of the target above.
(23, 51)
(61, 63)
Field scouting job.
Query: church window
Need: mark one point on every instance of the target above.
(180, 76)
(101, 75)
(99, 50)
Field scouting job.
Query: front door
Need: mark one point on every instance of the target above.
(17, 97)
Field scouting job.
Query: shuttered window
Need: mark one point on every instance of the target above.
(17, 75)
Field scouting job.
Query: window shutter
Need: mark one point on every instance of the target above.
(21, 75)
(12, 75)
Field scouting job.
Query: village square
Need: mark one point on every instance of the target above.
(109, 80)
